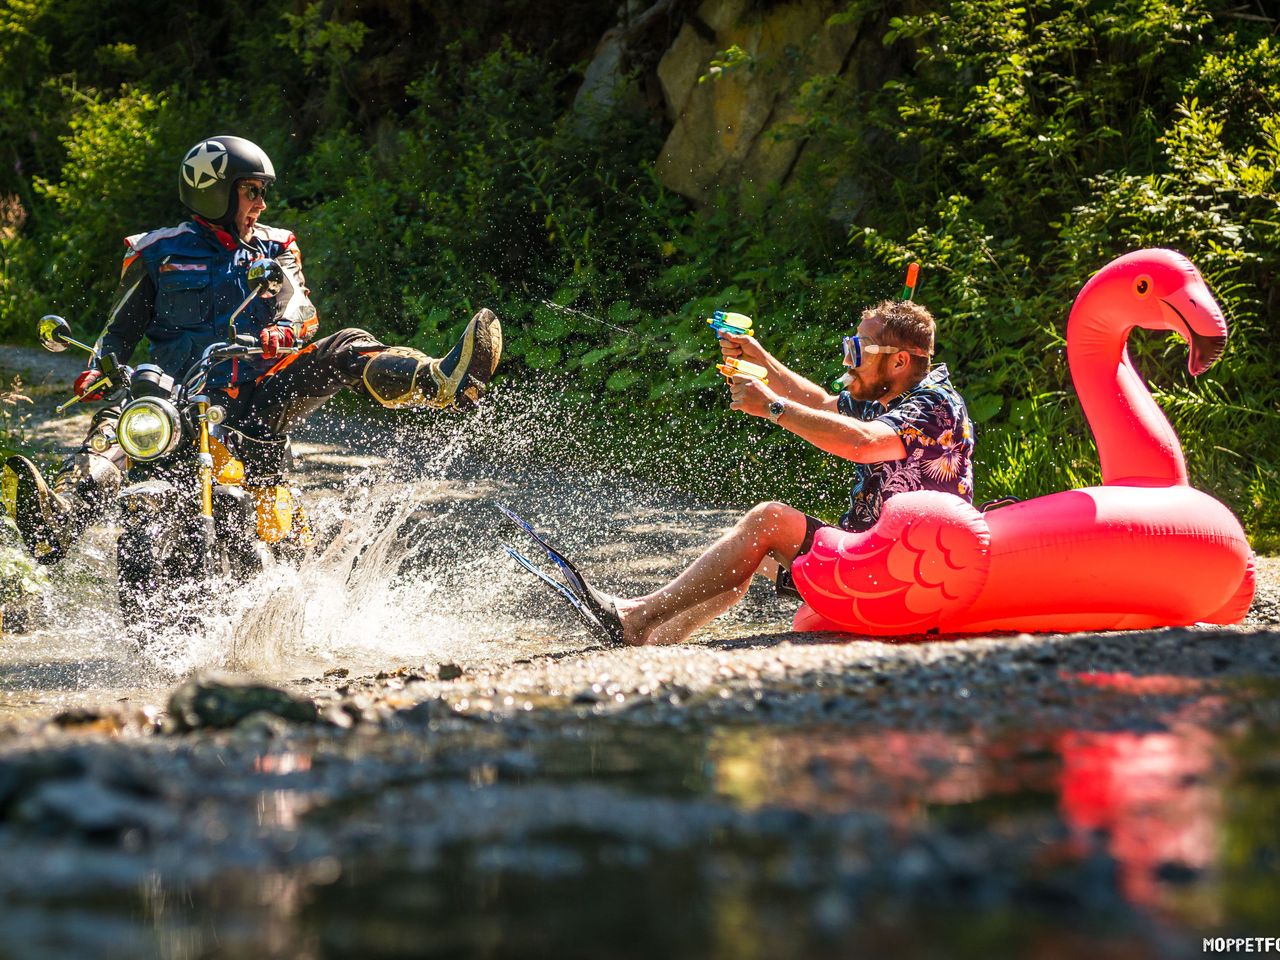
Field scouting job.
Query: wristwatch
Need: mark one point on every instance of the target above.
(775, 410)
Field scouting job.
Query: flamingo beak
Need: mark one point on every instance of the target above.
(1205, 348)
(1204, 351)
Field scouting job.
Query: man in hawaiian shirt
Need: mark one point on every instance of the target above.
(901, 423)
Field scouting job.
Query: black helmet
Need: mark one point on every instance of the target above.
(209, 172)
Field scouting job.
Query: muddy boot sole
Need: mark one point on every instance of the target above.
(465, 371)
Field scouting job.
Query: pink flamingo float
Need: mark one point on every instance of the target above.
(1142, 550)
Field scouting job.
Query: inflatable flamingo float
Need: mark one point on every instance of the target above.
(1142, 550)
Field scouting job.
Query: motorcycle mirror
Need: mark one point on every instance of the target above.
(54, 333)
(267, 276)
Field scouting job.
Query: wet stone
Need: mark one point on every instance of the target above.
(1175, 872)
(19, 777)
(78, 716)
(262, 724)
(216, 701)
(12, 780)
(335, 716)
(449, 671)
(88, 807)
(423, 713)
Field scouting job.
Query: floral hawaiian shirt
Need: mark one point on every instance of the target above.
(935, 430)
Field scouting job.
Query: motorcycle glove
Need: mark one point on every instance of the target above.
(273, 339)
(85, 380)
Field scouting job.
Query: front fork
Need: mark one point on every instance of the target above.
(205, 459)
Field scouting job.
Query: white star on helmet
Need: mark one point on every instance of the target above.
(204, 163)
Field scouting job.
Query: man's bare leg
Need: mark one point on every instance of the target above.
(717, 579)
(682, 626)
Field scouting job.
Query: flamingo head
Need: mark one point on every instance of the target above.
(1163, 290)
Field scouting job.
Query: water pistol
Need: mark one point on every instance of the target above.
(908, 293)
(913, 275)
(737, 367)
(735, 323)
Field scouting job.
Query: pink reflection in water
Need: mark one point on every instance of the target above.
(1151, 794)
(1153, 798)
(898, 773)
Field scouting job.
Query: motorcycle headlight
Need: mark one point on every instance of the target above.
(149, 428)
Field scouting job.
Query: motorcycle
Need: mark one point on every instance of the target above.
(186, 517)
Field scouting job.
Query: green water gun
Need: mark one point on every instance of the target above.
(736, 323)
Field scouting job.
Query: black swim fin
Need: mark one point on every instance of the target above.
(599, 607)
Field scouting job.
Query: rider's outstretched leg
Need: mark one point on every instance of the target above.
(404, 377)
(398, 377)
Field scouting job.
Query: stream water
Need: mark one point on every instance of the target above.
(718, 841)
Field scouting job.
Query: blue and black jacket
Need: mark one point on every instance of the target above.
(179, 285)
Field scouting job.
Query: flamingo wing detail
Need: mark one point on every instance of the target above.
(926, 559)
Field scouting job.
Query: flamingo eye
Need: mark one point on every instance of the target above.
(1142, 286)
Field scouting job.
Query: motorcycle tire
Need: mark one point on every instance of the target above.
(140, 576)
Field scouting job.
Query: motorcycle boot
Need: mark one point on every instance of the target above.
(403, 377)
(51, 519)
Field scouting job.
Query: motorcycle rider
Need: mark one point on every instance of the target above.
(178, 288)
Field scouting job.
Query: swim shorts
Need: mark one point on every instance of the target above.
(785, 586)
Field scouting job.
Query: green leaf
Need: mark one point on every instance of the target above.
(661, 389)
(984, 407)
(549, 328)
(622, 380)
(621, 313)
(682, 354)
(592, 357)
(542, 358)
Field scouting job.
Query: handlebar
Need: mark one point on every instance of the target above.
(242, 348)
(113, 374)
(244, 345)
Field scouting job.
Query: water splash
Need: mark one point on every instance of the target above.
(410, 567)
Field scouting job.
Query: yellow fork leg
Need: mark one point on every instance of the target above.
(206, 466)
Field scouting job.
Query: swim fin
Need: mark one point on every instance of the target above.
(597, 609)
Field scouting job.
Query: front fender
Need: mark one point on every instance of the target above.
(149, 501)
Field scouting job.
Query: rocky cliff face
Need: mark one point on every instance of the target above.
(729, 122)
(725, 75)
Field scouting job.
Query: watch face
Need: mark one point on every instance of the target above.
(776, 408)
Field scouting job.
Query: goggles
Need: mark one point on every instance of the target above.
(253, 192)
(853, 348)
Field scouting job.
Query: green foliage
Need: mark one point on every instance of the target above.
(731, 59)
(1025, 146)
(325, 47)
(13, 418)
(431, 164)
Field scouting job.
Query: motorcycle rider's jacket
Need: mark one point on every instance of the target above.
(180, 285)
